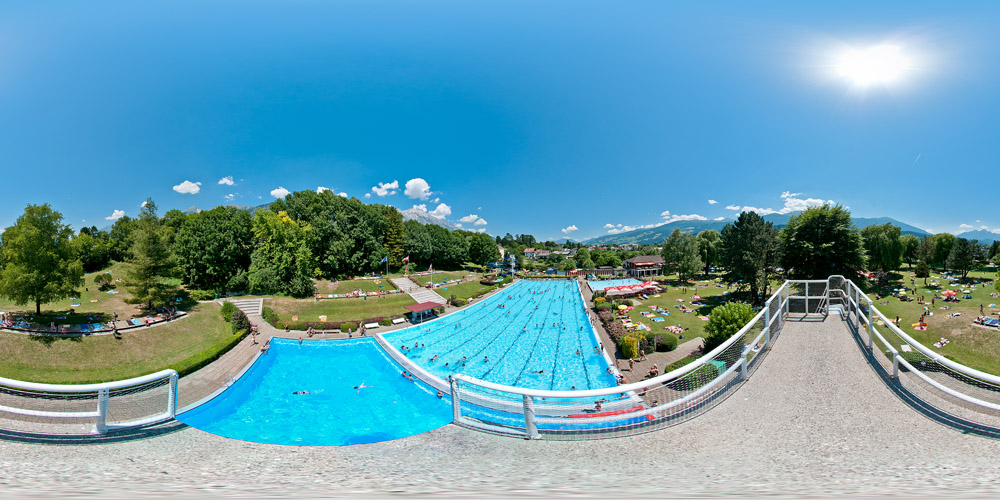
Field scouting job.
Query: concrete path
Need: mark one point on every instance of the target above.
(417, 292)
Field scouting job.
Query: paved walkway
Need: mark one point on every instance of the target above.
(417, 292)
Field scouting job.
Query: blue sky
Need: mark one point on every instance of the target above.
(551, 118)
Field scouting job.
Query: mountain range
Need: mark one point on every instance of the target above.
(656, 235)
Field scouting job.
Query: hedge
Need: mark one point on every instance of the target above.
(270, 316)
(228, 308)
(629, 346)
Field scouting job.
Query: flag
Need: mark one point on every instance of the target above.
(406, 259)
(384, 260)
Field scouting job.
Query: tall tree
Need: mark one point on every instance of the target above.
(394, 239)
(749, 251)
(994, 251)
(120, 238)
(925, 255)
(962, 257)
(149, 262)
(708, 247)
(40, 264)
(214, 247)
(681, 254)
(92, 250)
(822, 241)
(943, 243)
(910, 245)
(483, 249)
(281, 260)
(883, 247)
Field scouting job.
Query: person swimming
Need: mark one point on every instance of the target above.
(301, 392)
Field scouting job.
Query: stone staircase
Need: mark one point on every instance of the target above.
(417, 292)
(252, 307)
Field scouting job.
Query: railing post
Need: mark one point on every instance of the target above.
(456, 401)
(530, 428)
(807, 297)
(172, 397)
(871, 325)
(102, 412)
(743, 364)
(895, 366)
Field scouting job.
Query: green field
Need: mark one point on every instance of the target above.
(183, 345)
(348, 286)
(340, 310)
(438, 277)
(463, 290)
(711, 293)
(970, 345)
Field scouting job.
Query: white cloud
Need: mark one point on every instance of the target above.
(368, 195)
(609, 226)
(733, 207)
(965, 226)
(481, 230)
(230, 197)
(469, 218)
(418, 189)
(675, 218)
(342, 194)
(712, 202)
(437, 200)
(441, 211)
(117, 214)
(143, 204)
(665, 214)
(570, 229)
(480, 208)
(227, 180)
(789, 194)
(624, 229)
(386, 188)
(719, 218)
(458, 225)
(279, 192)
(792, 204)
(321, 189)
(188, 187)
(481, 222)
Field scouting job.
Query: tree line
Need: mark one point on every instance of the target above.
(816, 243)
(280, 249)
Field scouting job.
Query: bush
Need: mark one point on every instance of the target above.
(699, 377)
(301, 287)
(348, 326)
(600, 300)
(666, 343)
(228, 308)
(263, 282)
(385, 322)
(200, 295)
(239, 282)
(725, 321)
(627, 302)
(458, 302)
(599, 294)
(603, 308)
(240, 323)
(104, 282)
(270, 316)
(629, 346)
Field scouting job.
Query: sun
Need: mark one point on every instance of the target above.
(880, 64)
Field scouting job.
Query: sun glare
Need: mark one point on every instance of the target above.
(880, 64)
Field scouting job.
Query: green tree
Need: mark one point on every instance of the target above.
(482, 249)
(394, 240)
(910, 246)
(994, 251)
(40, 264)
(120, 238)
(925, 255)
(725, 321)
(709, 242)
(281, 259)
(749, 251)
(150, 263)
(419, 245)
(883, 247)
(92, 250)
(681, 254)
(943, 243)
(213, 247)
(822, 241)
(962, 257)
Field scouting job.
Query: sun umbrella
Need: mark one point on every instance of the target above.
(902, 293)
(949, 292)
(622, 307)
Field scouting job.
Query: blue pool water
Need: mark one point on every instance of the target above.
(261, 406)
(598, 285)
(540, 339)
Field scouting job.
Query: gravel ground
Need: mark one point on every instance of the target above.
(814, 420)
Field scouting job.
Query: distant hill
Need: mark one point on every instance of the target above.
(425, 218)
(985, 237)
(656, 235)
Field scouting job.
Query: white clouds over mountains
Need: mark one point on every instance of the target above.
(188, 187)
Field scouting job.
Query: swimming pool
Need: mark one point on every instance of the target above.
(262, 405)
(531, 334)
(598, 285)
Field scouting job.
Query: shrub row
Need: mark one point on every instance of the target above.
(274, 320)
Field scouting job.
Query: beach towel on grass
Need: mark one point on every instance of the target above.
(135, 322)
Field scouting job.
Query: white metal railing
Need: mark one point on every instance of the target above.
(631, 408)
(59, 409)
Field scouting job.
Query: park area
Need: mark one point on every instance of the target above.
(972, 345)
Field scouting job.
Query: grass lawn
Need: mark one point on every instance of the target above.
(182, 345)
(348, 286)
(463, 290)
(970, 345)
(340, 310)
(711, 295)
(438, 277)
(102, 309)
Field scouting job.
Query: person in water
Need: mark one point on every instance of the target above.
(301, 392)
